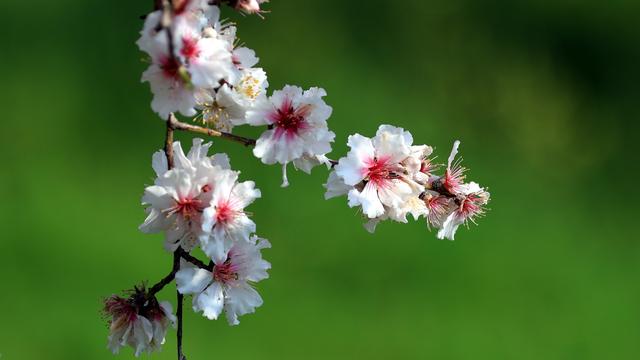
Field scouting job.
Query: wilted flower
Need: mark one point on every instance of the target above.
(466, 200)
(138, 321)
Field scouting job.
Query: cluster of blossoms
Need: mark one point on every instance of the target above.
(390, 178)
(197, 201)
(201, 203)
(205, 74)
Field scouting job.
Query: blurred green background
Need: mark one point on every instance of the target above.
(543, 95)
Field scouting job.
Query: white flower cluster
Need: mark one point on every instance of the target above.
(199, 202)
(389, 178)
(208, 76)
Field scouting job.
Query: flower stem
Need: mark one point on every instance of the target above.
(174, 123)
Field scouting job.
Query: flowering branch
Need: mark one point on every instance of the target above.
(198, 70)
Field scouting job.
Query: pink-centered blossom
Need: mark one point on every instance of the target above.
(224, 219)
(228, 286)
(375, 173)
(298, 130)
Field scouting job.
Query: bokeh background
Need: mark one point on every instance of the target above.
(543, 95)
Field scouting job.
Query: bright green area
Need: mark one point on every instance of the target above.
(543, 96)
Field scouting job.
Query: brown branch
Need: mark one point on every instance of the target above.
(195, 261)
(162, 283)
(168, 143)
(178, 125)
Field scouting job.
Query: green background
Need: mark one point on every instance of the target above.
(543, 96)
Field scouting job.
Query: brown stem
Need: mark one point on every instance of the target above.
(161, 284)
(178, 125)
(195, 261)
(168, 143)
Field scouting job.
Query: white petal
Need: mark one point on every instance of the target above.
(350, 168)
(244, 194)
(393, 143)
(159, 162)
(216, 248)
(210, 301)
(335, 186)
(454, 152)
(241, 300)
(285, 180)
(368, 198)
(192, 280)
(449, 227)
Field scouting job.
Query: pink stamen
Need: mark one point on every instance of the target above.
(288, 120)
(454, 178)
(225, 272)
(438, 206)
(471, 207)
(187, 207)
(379, 171)
(225, 213)
(170, 67)
(190, 49)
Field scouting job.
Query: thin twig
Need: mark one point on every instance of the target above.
(178, 125)
(168, 143)
(161, 284)
(195, 261)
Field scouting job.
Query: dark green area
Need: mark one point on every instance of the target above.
(543, 95)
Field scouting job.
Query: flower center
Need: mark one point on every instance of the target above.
(250, 87)
(187, 207)
(471, 207)
(454, 178)
(225, 213)
(225, 272)
(170, 67)
(190, 48)
(289, 120)
(379, 171)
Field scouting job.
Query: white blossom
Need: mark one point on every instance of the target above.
(297, 123)
(375, 173)
(171, 90)
(206, 58)
(222, 109)
(228, 287)
(224, 220)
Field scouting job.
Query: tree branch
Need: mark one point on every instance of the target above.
(178, 125)
(195, 261)
(162, 283)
